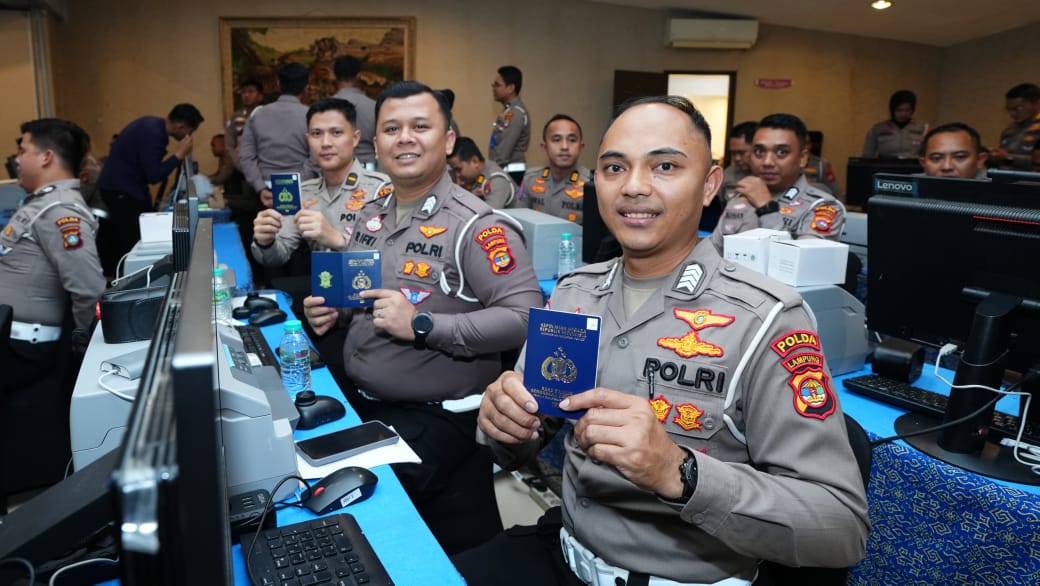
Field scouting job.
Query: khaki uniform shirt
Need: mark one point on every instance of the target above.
(233, 130)
(47, 250)
(510, 134)
(341, 210)
(275, 141)
(820, 173)
(564, 199)
(739, 380)
(467, 266)
(494, 186)
(804, 212)
(730, 177)
(886, 140)
(366, 122)
(1019, 140)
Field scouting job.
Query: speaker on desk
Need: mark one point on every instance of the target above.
(899, 360)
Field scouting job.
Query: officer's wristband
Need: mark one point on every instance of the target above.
(768, 208)
(263, 246)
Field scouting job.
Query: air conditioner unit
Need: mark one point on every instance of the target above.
(703, 33)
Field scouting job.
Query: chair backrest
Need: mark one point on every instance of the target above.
(6, 315)
(772, 573)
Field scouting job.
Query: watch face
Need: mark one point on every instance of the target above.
(422, 323)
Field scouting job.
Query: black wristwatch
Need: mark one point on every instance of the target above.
(422, 325)
(688, 474)
(768, 208)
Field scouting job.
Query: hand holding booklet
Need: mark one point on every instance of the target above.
(561, 359)
(340, 277)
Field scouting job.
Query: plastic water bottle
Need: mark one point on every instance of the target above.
(221, 295)
(294, 352)
(568, 255)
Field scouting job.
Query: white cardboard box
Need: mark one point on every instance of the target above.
(811, 261)
(751, 248)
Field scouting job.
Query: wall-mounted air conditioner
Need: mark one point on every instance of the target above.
(705, 33)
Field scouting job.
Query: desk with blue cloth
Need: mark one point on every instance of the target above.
(934, 523)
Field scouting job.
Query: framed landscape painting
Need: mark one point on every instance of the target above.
(254, 49)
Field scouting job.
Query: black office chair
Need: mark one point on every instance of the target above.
(772, 573)
(6, 315)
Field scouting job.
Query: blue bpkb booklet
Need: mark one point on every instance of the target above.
(561, 357)
(285, 189)
(340, 277)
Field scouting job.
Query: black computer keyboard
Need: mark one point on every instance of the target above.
(330, 550)
(255, 343)
(918, 400)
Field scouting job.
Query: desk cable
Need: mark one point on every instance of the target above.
(260, 524)
(30, 570)
(117, 392)
(1031, 458)
(79, 564)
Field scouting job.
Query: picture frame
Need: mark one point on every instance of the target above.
(254, 48)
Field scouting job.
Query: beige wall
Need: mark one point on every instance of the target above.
(16, 79)
(568, 50)
(978, 73)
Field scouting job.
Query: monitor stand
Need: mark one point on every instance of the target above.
(994, 460)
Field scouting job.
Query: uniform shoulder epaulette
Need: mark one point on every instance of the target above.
(534, 172)
(760, 286)
(587, 275)
(312, 182)
(814, 191)
(470, 202)
(376, 175)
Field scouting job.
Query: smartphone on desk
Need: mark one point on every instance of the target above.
(345, 443)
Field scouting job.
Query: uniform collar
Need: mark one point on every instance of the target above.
(514, 103)
(434, 199)
(288, 98)
(349, 186)
(52, 187)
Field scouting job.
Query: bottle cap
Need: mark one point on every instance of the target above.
(293, 325)
(565, 236)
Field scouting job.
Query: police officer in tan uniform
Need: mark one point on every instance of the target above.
(778, 196)
(511, 131)
(1019, 140)
(331, 202)
(483, 178)
(900, 136)
(51, 277)
(251, 93)
(712, 392)
(457, 284)
(740, 139)
(559, 187)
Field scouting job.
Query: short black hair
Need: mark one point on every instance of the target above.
(976, 139)
(745, 130)
(409, 88)
(252, 82)
(329, 104)
(346, 67)
(465, 149)
(1029, 92)
(545, 129)
(902, 97)
(186, 113)
(68, 141)
(292, 78)
(679, 103)
(449, 95)
(512, 75)
(786, 122)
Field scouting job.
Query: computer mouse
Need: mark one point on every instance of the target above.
(268, 316)
(255, 302)
(343, 487)
(317, 410)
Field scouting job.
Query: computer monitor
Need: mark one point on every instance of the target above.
(960, 269)
(169, 484)
(859, 176)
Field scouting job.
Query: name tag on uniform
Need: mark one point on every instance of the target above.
(561, 358)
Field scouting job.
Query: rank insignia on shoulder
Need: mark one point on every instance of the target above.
(791, 193)
(574, 177)
(428, 205)
(352, 180)
(689, 279)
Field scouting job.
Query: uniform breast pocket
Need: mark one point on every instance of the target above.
(696, 416)
(420, 276)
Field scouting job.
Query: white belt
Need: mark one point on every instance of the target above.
(34, 333)
(592, 570)
(515, 167)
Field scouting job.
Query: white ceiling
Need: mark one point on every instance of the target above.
(931, 22)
